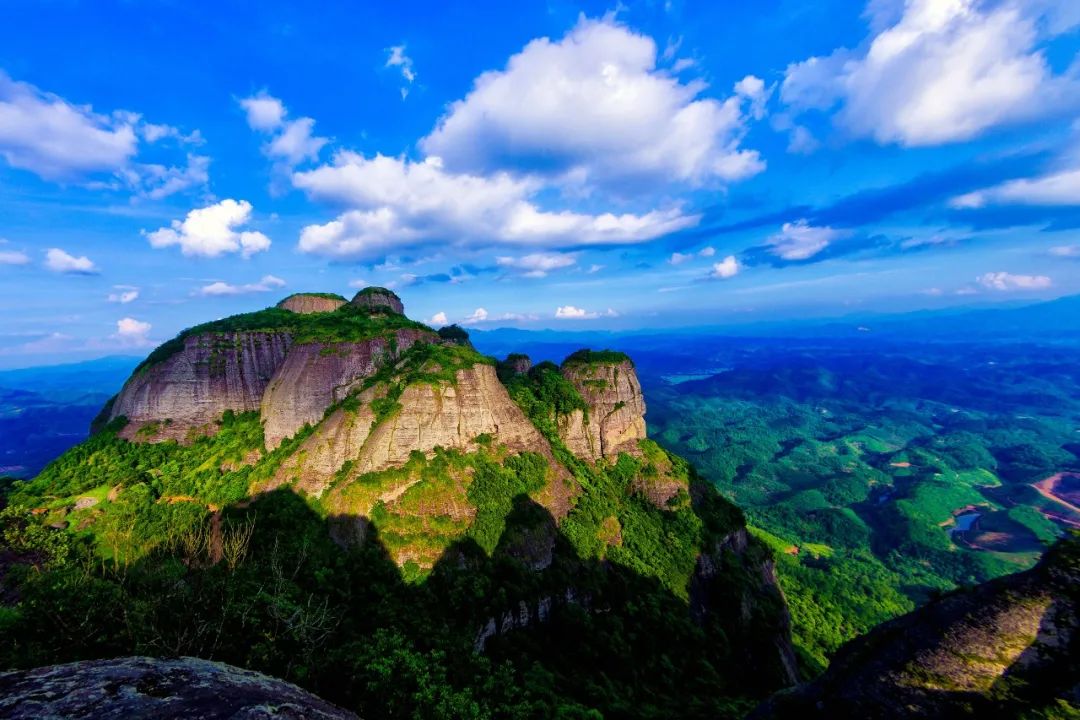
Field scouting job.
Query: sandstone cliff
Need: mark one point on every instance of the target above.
(615, 418)
(316, 375)
(454, 415)
(193, 387)
(306, 303)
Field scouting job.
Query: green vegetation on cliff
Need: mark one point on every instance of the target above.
(346, 324)
(440, 587)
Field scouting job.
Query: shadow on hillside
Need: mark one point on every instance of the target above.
(313, 604)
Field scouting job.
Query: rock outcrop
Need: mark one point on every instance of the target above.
(142, 688)
(615, 419)
(316, 375)
(376, 298)
(193, 387)
(989, 651)
(306, 303)
(757, 617)
(451, 415)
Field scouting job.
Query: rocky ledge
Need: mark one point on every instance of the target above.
(142, 688)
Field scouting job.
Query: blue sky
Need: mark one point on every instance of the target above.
(559, 164)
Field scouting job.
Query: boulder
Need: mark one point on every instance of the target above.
(143, 688)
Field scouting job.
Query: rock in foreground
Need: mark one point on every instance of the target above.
(995, 650)
(142, 688)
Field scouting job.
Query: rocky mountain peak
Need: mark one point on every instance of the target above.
(614, 420)
(378, 298)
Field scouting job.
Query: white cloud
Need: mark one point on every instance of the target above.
(707, 252)
(593, 109)
(396, 57)
(60, 141)
(678, 258)
(726, 268)
(296, 143)
(800, 240)
(1061, 188)
(124, 294)
(46, 135)
(1066, 251)
(292, 141)
(264, 113)
(60, 261)
(398, 204)
(939, 71)
(569, 312)
(211, 231)
(359, 284)
(753, 89)
(217, 289)
(593, 269)
(1004, 281)
(155, 133)
(538, 264)
(479, 315)
(160, 181)
(438, 319)
(801, 141)
(133, 333)
(13, 257)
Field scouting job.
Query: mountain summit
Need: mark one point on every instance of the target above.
(521, 508)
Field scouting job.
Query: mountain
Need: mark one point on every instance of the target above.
(331, 493)
(999, 649)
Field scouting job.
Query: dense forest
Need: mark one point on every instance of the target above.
(881, 475)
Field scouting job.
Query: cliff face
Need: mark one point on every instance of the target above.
(615, 419)
(142, 688)
(448, 415)
(307, 303)
(316, 375)
(192, 388)
(1007, 644)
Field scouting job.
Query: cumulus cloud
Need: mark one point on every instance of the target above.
(398, 204)
(800, 240)
(753, 89)
(60, 141)
(218, 289)
(123, 294)
(938, 71)
(538, 264)
(594, 108)
(264, 113)
(479, 315)
(1004, 281)
(396, 57)
(60, 261)
(291, 142)
(212, 231)
(438, 319)
(726, 268)
(132, 333)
